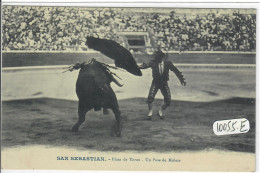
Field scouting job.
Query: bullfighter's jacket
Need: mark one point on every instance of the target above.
(164, 77)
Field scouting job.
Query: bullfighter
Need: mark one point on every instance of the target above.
(160, 72)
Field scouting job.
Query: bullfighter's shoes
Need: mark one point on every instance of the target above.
(150, 114)
(160, 116)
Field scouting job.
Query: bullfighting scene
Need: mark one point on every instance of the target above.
(105, 83)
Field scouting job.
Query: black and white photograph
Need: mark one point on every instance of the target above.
(133, 88)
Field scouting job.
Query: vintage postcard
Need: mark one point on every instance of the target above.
(156, 88)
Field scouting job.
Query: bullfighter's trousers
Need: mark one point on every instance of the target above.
(165, 90)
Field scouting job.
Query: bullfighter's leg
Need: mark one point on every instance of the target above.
(150, 108)
(150, 99)
(167, 99)
(82, 111)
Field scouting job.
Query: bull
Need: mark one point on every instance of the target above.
(93, 84)
(94, 92)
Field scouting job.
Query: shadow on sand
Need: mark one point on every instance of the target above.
(187, 125)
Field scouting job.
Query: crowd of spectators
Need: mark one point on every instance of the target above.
(66, 28)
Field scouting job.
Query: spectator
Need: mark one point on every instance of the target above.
(66, 28)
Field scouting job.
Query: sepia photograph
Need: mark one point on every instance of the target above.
(128, 88)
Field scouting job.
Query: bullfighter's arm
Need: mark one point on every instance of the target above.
(145, 65)
(177, 73)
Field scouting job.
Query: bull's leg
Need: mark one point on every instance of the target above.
(117, 126)
(111, 102)
(105, 111)
(82, 110)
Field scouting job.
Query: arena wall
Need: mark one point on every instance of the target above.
(18, 59)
